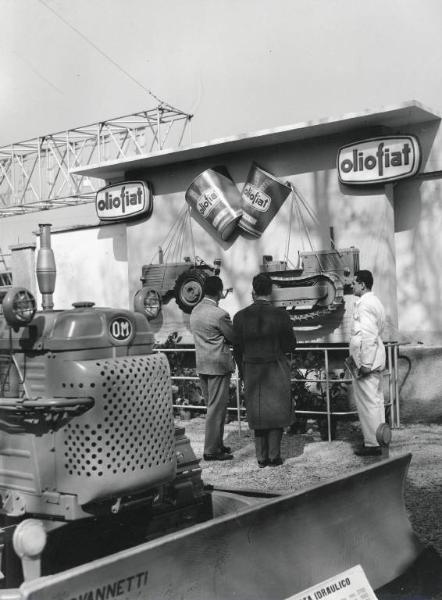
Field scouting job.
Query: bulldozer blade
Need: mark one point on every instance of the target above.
(261, 548)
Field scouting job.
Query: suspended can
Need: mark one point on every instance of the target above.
(262, 197)
(216, 199)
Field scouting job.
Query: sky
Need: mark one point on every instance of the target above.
(237, 65)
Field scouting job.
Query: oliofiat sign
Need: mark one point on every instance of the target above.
(124, 201)
(379, 160)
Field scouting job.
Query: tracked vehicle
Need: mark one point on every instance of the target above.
(87, 427)
(317, 287)
(102, 496)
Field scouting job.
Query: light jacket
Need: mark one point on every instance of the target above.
(212, 332)
(366, 346)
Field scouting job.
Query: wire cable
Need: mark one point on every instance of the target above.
(314, 218)
(287, 248)
(107, 57)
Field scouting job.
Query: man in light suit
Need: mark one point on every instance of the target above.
(212, 331)
(368, 352)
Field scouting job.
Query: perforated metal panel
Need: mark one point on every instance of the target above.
(126, 441)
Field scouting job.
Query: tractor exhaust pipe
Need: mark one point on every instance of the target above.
(46, 271)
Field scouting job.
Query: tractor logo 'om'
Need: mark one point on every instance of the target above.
(120, 329)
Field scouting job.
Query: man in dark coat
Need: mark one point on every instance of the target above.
(263, 334)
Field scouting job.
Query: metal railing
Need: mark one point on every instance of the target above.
(391, 373)
(326, 382)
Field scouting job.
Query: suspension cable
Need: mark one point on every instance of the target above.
(287, 248)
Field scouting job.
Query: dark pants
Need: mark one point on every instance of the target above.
(215, 389)
(268, 444)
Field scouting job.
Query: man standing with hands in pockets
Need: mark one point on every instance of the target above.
(368, 353)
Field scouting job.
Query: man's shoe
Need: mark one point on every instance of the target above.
(226, 449)
(263, 463)
(369, 451)
(276, 462)
(219, 456)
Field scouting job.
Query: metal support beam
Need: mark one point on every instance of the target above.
(36, 174)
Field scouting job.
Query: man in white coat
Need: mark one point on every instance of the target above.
(368, 352)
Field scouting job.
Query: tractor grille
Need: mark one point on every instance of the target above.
(126, 441)
(330, 260)
(162, 277)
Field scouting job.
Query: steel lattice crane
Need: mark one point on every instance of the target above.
(36, 174)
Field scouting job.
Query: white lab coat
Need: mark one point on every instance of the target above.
(366, 346)
(367, 349)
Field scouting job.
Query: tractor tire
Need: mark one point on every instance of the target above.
(189, 289)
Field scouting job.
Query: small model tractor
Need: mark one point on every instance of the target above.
(317, 287)
(183, 281)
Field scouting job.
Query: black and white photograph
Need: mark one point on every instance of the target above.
(220, 300)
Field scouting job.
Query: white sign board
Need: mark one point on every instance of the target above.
(91, 266)
(123, 201)
(351, 584)
(379, 160)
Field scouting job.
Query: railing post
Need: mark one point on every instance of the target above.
(238, 400)
(396, 384)
(327, 394)
(390, 384)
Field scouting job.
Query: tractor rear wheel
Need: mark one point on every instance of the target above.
(189, 289)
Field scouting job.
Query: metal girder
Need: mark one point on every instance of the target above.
(36, 174)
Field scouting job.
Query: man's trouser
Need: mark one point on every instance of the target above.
(369, 397)
(268, 444)
(215, 389)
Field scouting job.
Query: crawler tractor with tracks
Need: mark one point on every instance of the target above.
(317, 287)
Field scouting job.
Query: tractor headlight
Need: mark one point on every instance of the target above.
(19, 307)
